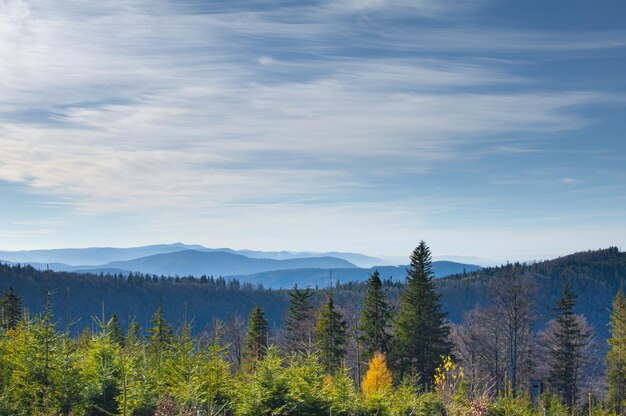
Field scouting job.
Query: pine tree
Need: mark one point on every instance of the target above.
(616, 357)
(11, 306)
(180, 371)
(421, 331)
(35, 362)
(567, 352)
(68, 377)
(375, 317)
(136, 397)
(299, 323)
(256, 341)
(161, 334)
(101, 373)
(115, 330)
(330, 333)
(161, 337)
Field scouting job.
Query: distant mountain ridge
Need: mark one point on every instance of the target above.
(220, 263)
(91, 255)
(198, 263)
(271, 273)
(286, 279)
(100, 256)
(273, 269)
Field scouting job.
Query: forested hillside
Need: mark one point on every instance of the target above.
(465, 345)
(595, 275)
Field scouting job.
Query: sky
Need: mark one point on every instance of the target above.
(490, 129)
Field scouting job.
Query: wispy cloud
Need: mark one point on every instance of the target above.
(571, 181)
(120, 104)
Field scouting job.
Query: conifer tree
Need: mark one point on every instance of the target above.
(161, 334)
(115, 330)
(299, 323)
(69, 379)
(161, 337)
(616, 357)
(101, 373)
(136, 397)
(375, 316)
(330, 333)
(256, 341)
(180, 371)
(421, 331)
(35, 361)
(11, 306)
(213, 379)
(567, 352)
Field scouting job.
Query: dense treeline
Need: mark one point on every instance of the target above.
(133, 298)
(343, 351)
(596, 274)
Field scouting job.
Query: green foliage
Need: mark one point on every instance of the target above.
(258, 333)
(375, 318)
(616, 357)
(161, 338)
(180, 372)
(299, 321)
(115, 330)
(71, 382)
(404, 398)
(47, 373)
(214, 380)
(32, 355)
(428, 404)
(161, 334)
(305, 381)
(44, 372)
(11, 308)
(264, 392)
(101, 371)
(421, 332)
(330, 334)
(136, 397)
(342, 394)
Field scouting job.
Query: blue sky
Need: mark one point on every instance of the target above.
(492, 129)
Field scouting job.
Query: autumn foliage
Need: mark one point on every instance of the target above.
(377, 380)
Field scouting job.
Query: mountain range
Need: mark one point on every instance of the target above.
(595, 276)
(277, 279)
(104, 255)
(274, 269)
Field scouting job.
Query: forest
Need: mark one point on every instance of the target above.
(521, 339)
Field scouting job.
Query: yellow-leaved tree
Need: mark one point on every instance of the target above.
(377, 380)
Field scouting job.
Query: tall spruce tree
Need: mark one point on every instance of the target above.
(330, 334)
(375, 317)
(421, 331)
(300, 321)
(256, 341)
(567, 351)
(616, 357)
(11, 306)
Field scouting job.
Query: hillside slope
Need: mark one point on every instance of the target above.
(595, 277)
